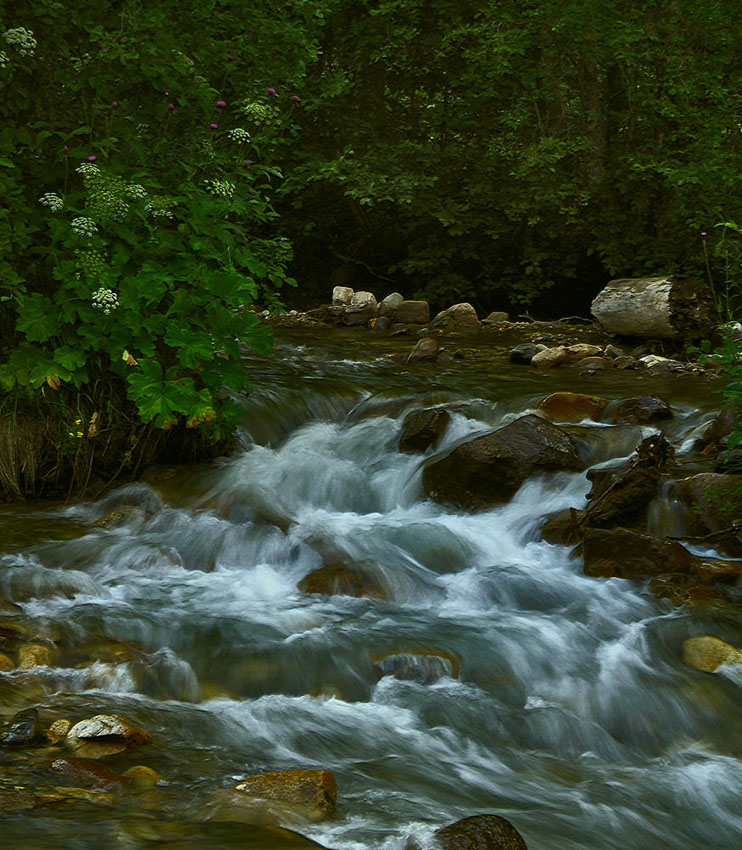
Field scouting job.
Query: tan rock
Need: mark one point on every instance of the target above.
(412, 313)
(708, 653)
(14, 800)
(313, 791)
(57, 732)
(582, 350)
(62, 793)
(459, 318)
(6, 664)
(32, 655)
(340, 580)
(426, 350)
(572, 407)
(141, 776)
(549, 357)
(719, 570)
(105, 735)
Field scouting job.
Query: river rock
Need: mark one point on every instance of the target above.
(459, 318)
(413, 313)
(713, 504)
(549, 357)
(717, 431)
(422, 429)
(713, 571)
(639, 410)
(360, 309)
(486, 471)
(383, 323)
(628, 554)
(594, 364)
(6, 663)
(496, 317)
(662, 366)
(657, 308)
(22, 729)
(424, 668)
(388, 306)
(708, 653)
(314, 792)
(572, 407)
(425, 351)
(523, 354)
(562, 527)
(581, 350)
(87, 772)
(32, 655)
(141, 776)
(105, 735)
(341, 296)
(481, 832)
(58, 731)
(340, 580)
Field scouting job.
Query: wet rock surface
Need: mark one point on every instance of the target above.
(480, 832)
(487, 470)
(628, 554)
(105, 735)
(313, 791)
(423, 429)
(341, 580)
(638, 411)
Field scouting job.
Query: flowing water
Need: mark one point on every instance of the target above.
(558, 701)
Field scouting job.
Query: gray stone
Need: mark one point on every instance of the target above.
(459, 318)
(390, 304)
(361, 308)
(413, 312)
(426, 350)
(496, 317)
(549, 357)
(341, 296)
(523, 354)
(422, 429)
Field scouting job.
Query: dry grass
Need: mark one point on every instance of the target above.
(24, 448)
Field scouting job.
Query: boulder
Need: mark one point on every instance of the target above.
(383, 323)
(657, 365)
(562, 527)
(6, 663)
(486, 471)
(413, 313)
(497, 317)
(481, 832)
(459, 318)
(628, 554)
(360, 309)
(713, 506)
(422, 429)
(388, 306)
(549, 357)
(341, 296)
(639, 410)
(524, 353)
(313, 792)
(572, 407)
(708, 653)
(87, 772)
(424, 668)
(22, 729)
(105, 735)
(425, 351)
(663, 307)
(340, 580)
(713, 571)
(141, 776)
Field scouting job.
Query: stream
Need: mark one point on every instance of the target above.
(558, 701)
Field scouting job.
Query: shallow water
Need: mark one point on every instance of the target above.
(558, 701)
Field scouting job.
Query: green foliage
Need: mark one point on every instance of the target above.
(138, 225)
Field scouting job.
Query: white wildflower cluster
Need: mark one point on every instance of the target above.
(22, 40)
(87, 169)
(106, 300)
(222, 188)
(239, 135)
(84, 226)
(135, 191)
(259, 113)
(53, 201)
(159, 207)
(3, 59)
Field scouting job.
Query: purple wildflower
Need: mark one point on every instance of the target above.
(295, 98)
(703, 233)
(246, 163)
(65, 149)
(171, 106)
(221, 103)
(92, 158)
(214, 126)
(272, 92)
(230, 58)
(115, 104)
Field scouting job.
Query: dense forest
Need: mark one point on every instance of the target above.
(165, 165)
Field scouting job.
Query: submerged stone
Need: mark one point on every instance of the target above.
(422, 429)
(106, 734)
(22, 729)
(708, 653)
(313, 791)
